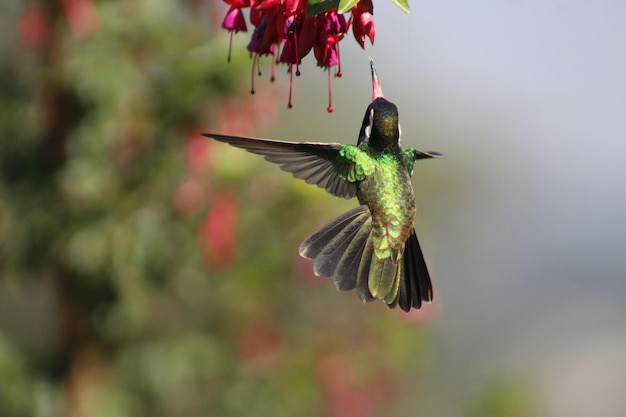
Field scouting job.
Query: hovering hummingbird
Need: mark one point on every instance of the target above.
(373, 247)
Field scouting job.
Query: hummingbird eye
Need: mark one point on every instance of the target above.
(368, 128)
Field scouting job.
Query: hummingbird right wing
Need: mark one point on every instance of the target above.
(321, 164)
(412, 155)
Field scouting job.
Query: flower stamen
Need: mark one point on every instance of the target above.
(330, 93)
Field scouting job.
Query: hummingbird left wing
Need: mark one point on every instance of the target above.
(316, 163)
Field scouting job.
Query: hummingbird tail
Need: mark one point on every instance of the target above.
(343, 249)
(415, 285)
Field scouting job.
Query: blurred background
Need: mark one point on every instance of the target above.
(146, 271)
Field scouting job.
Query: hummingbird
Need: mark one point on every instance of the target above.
(372, 248)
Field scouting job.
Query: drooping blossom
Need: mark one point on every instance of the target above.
(283, 30)
(234, 20)
(298, 43)
(363, 22)
(263, 42)
(331, 28)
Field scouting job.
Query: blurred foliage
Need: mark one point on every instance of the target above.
(145, 271)
(505, 397)
(167, 263)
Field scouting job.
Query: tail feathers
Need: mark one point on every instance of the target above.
(384, 280)
(363, 274)
(327, 261)
(315, 243)
(415, 285)
(343, 249)
(345, 276)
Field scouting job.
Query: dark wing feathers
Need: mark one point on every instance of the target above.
(315, 163)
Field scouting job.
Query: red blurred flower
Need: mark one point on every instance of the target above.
(32, 26)
(217, 233)
(344, 394)
(363, 22)
(190, 196)
(260, 342)
(199, 156)
(241, 117)
(82, 16)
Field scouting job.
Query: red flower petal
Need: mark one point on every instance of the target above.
(234, 20)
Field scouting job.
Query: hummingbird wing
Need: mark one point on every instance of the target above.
(413, 155)
(315, 163)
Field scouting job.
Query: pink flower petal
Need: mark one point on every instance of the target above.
(234, 20)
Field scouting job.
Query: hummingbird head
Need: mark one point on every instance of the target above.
(380, 128)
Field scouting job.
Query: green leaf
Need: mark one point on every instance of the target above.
(315, 7)
(346, 5)
(403, 5)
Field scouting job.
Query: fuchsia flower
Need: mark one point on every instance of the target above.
(363, 22)
(284, 23)
(299, 35)
(331, 28)
(234, 20)
(263, 42)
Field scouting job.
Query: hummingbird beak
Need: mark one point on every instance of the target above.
(377, 90)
